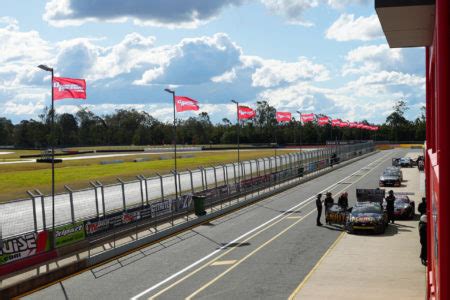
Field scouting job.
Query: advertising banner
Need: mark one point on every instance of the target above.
(161, 208)
(23, 246)
(69, 234)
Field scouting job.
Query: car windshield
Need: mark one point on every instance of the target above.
(401, 200)
(366, 209)
(389, 173)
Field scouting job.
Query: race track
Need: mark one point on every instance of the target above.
(260, 252)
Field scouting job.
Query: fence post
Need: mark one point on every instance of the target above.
(96, 198)
(203, 180)
(225, 175)
(192, 181)
(234, 173)
(251, 170)
(257, 167)
(102, 190)
(162, 186)
(72, 211)
(146, 189)
(34, 209)
(215, 181)
(40, 195)
(179, 184)
(206, 179)
(141, 188)
(123, 193)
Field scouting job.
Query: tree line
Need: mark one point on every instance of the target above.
(132, 127)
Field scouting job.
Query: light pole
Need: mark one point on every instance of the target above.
(300, 130)
(52, 142)
(174, 138)
(238, 133)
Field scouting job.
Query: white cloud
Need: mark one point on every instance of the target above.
(347, 28)
(168, 13)
(274, 72)
(340, 4)
(376, 58)
(195, 61)
(292, 10)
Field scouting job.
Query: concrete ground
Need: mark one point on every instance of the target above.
(260, 252)
(371, 266)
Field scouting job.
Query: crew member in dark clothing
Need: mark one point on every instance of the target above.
(423, 239)
(343, 200)
(422, 207)
(390, 200)
(329, 201)
(319, 209)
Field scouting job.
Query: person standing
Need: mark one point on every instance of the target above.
(423, 239)
(343, 200)
(422, 207)
(329, 201)
(390, 200)
(319, 209)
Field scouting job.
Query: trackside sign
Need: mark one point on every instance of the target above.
(68, 234)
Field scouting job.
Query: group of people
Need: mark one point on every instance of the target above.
(390, 200)
(329, 202)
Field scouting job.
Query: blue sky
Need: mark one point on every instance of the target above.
(321, 56)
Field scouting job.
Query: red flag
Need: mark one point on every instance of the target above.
(344, 124)
(336, 122)
(183, 103)
(245, 112)
(307, 117)
(359, 125)
(353, 124)
(64, 88)
(283, 116)
(322, 121)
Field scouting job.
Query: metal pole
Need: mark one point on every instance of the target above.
(175, 143)
(53, 154)
(96, 198)
(238, 133)
(72, 211)
(192, 181)
(102, 189)
(33, 201)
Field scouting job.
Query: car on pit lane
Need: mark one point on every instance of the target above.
(367, 216)
(405, 162)
(404, 208)
(391, 177)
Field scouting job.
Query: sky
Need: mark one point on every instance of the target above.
(322, 56)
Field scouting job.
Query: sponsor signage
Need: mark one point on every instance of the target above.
(69, 234)
(23, 246)
(161, 208)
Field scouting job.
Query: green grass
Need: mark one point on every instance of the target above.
(16, 179)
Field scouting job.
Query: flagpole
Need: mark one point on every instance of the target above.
(174, 139)
(238, 134)
(53, 155)
(52, 142)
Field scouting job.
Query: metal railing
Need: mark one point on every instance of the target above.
(101, 201)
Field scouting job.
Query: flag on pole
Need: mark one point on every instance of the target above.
(245, 112)
(283, 116)
(322, 121)
(352, 124)
(344, 124)
(305, 118)
(64, 88)
(336, 123)
(183, 103)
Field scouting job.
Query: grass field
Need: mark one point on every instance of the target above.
(16, 179)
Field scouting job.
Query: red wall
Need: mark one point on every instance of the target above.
(437, 163)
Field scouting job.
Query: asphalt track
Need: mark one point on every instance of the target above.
(262, 251)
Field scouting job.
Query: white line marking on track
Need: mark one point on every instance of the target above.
(175, 275)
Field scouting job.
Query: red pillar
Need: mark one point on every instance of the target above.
(443, 147)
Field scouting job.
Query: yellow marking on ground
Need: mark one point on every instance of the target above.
(247, 256)
(300, 286)
(223, 262)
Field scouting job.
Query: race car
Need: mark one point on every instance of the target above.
(396, 162)
(396, 170)
(391, 177)
(404, 208)
(367, 216)
(405, 162)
